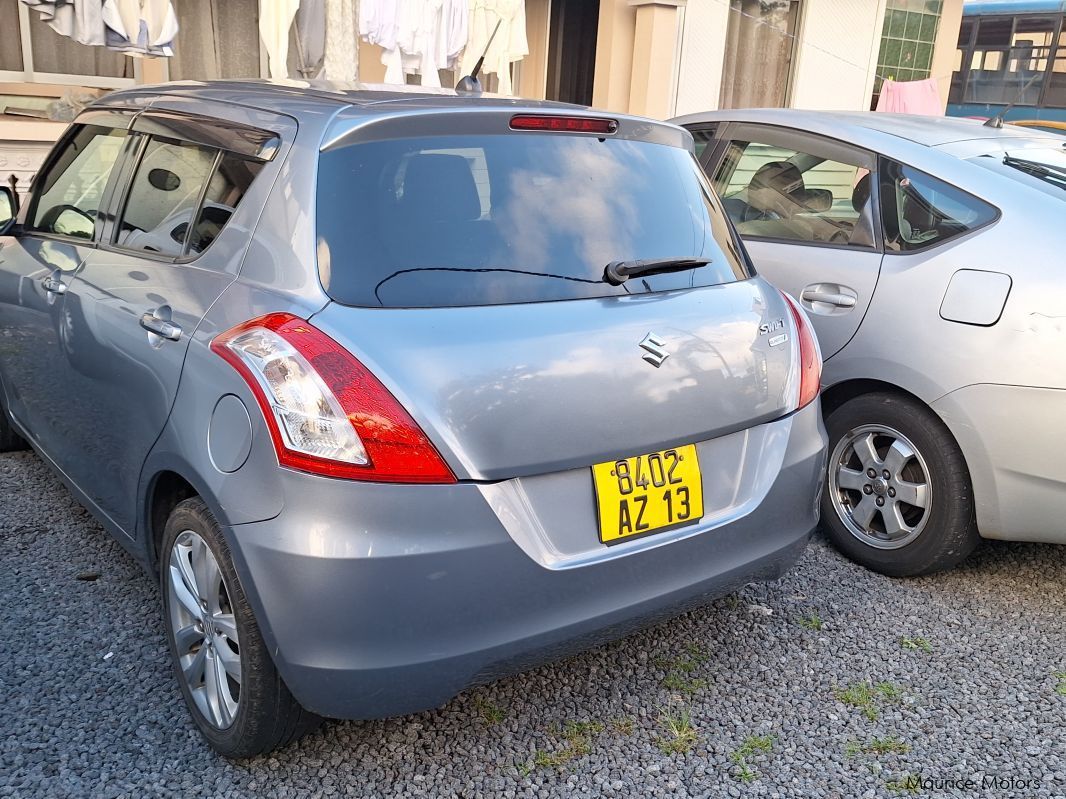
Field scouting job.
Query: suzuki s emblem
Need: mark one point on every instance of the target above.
(655, 350)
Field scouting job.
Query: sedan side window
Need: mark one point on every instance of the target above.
(71, 190)
(921, 211)
(779, 193)
(164, 196)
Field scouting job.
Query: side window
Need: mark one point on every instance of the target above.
(164, 195)
(69, 194)
(780, 193)
(921, 211)
(227, 186)
(703, 137)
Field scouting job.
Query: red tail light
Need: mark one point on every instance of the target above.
(326, 412)
(564, 124)
(810, 377)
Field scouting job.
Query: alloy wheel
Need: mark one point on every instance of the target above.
(880, 486)
(204, 630)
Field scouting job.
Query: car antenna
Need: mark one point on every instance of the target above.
(470, 84)
(997, 120)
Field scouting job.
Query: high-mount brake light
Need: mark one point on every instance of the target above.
(810, 382)
(326, 412)
(564, 124)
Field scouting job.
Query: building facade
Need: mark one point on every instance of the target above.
(658, 58)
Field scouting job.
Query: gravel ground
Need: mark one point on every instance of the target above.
(801, 688)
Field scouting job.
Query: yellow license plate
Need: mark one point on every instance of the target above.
(648, 493)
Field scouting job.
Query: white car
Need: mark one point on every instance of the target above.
(939, 301)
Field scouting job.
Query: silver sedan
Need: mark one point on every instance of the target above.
(927, 252)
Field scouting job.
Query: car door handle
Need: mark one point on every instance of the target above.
(161, 327)
(830, 297)
(54, 285)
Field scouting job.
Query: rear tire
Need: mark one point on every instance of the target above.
(898, 497)
(231, 687)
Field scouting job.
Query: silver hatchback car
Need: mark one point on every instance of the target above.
(926, 251)
(399, 392)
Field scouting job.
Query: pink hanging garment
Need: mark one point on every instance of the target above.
(911, 97)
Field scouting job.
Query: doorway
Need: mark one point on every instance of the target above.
(572, 32)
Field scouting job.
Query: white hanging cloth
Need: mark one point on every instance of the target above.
(341, 61)
(275, 19)
(140, 27)
(417, 37)
(80, 20)
(508, 46)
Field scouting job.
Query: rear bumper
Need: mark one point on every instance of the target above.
(1012, 438)
(382, 600)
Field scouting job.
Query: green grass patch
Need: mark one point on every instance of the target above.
(908, 783)
(623, 725)
(492, 714)
(680, 684)
(811, 621)
(866, 697)
(916, 643)
(751, 746)
(578, 737)
(889, 745)
(681, 736)
(1060, 689)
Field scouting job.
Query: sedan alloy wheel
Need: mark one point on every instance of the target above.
(880, 486)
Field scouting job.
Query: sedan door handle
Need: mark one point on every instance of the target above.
(830, 297)
(161, 327)
(54, 285)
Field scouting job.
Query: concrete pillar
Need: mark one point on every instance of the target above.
(614, 55)
(533, 69)
(653, 79)
(153, 70)
(947, 42)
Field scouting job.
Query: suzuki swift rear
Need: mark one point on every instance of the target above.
(495, 383)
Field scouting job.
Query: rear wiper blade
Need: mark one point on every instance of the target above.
(618, 272)
(1036, 168)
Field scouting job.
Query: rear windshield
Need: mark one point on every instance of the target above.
(498, 219)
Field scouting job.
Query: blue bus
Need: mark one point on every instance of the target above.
(1011, 52)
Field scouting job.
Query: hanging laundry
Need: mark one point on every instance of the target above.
(275, 19)
(455, 30)
(378, 21)
(140, 27)
(417, 37)
(408, 44)
(80, 20)
(508, 46)
(911, 97)
(341, 59)
(445, 33)
(310, 37)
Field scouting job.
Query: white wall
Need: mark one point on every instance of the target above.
(833, 66)
(836, 56)
(702, 53)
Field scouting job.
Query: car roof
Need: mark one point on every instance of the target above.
(856, 126)
(286, 96)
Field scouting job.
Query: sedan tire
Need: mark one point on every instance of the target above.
(898, 496)
(230, 684)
